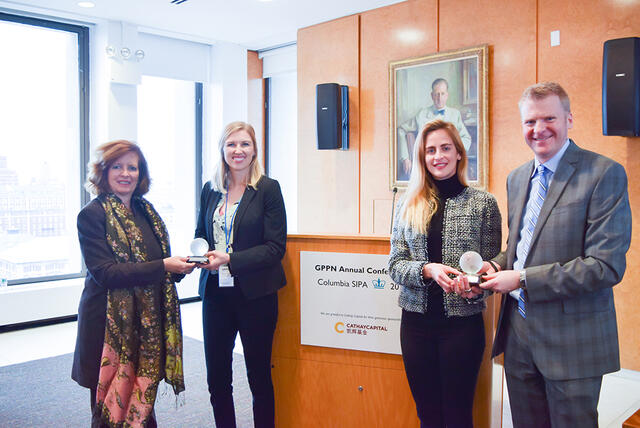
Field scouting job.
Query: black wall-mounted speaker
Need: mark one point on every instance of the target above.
(621, 87)
(332, 116)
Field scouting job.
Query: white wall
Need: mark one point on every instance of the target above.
(229, 77)
(225, 98)
(174, 59)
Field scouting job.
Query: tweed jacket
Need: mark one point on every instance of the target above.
(576, 256)
(471, 222)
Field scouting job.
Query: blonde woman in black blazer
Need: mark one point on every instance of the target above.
(242, 217)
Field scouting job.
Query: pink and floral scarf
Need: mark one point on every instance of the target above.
(143, 334)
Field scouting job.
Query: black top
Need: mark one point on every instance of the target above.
(447, 188)
(153, 248)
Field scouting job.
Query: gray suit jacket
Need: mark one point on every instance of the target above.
(577, 255)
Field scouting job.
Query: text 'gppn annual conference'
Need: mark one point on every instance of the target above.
(333, 268)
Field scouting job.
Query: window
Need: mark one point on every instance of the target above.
(169, 134)
(281, 145)
(43, 135)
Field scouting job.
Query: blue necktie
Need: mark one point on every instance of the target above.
(539, 192)
(440, 112)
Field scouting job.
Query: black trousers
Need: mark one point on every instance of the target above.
(442, 359)
(225, 313)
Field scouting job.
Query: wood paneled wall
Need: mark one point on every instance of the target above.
(320, 387)
(328, 179)
(348, 192)
(255, 94)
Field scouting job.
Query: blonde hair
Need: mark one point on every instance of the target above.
(546, 89)
(221, 169)
(420, 201)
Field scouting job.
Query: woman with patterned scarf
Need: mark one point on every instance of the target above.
(129, 331)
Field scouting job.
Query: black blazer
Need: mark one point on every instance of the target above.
(259, 239)
(103, 272)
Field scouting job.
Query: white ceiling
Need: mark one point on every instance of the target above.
(254, 24)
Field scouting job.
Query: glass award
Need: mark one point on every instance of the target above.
(198, 247)
(471, 263)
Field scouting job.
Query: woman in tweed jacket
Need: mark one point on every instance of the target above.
(442, 332)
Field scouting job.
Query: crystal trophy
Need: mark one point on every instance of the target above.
(198, 247)
(471, 263)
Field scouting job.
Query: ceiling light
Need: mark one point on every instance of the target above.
(86, 4)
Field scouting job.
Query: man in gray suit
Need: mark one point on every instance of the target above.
(569, 231)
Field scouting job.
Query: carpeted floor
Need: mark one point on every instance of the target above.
(41, 393)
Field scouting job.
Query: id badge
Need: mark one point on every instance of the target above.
(224, 276)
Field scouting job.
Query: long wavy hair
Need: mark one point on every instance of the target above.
(221, 169)
(420, 201)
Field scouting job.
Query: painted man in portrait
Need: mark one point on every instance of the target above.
(408, 131)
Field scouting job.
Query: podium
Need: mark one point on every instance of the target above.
(328, 387)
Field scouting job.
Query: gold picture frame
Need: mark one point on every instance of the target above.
(463, 74)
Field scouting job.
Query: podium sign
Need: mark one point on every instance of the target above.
(348, 301)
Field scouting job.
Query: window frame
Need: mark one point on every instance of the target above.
(199, 88)
(267, 122)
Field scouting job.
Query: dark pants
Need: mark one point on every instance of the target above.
(226, 312)
(539, 402)
(442, 359)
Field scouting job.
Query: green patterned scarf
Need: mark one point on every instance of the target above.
(143, 335)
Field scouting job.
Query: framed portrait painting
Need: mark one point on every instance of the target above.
(452, 86)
